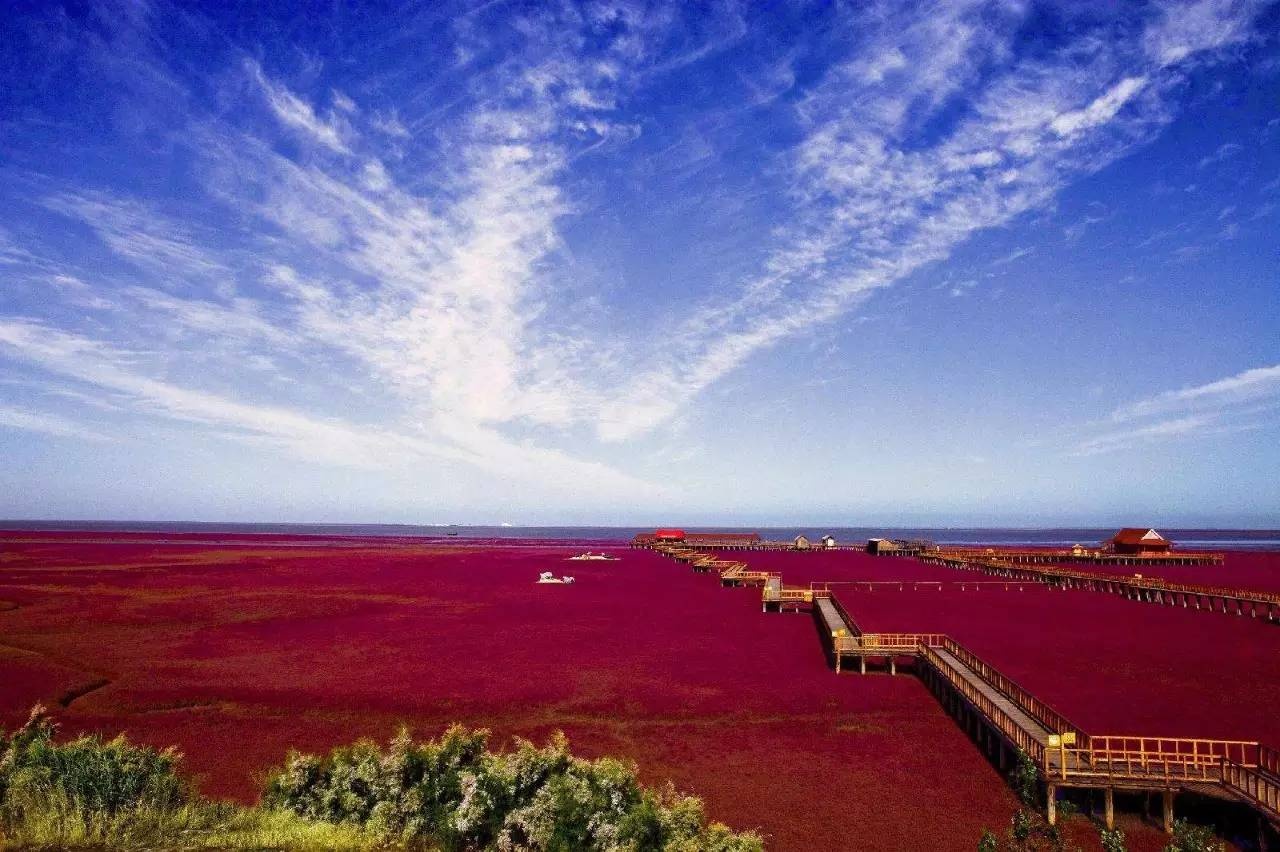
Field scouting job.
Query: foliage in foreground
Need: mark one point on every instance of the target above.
(1028, 832)
(1188, 837)
(1025, 778)
(450, 793)
(1113, 840)
(456, 794)
(88, 793)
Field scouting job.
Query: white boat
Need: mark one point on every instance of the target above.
(593, 557)
(546, 577)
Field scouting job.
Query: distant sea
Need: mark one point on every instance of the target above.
(1061, 537)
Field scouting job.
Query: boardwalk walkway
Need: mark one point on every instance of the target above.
(1004, 718)
(1232, 601)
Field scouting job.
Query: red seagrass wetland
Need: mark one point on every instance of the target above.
(238, 648)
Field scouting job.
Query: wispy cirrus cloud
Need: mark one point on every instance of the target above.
(326, 439)
(1241, 402)
(299, 115)
(873, 204)
(411, 248)
(47, 424)
(1247, 386)
(1123, 439)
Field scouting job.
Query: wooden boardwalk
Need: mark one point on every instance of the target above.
(1232, 601)
(1088, 556)
(1004, 718)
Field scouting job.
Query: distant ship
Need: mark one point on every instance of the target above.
(546, 577)
(593, 557)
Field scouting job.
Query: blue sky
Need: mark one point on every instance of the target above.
(963, 262)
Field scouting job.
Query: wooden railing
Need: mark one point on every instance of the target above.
(1156, 584)
(1032, 706)
(1015, 733)
(915, 585)
(1269, 761)
(902, 641)
(1171, 757)
(844, 613)
(1260, 788)
(1153, 584)
(1089, 554)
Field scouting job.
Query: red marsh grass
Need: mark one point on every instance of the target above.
(238, 648)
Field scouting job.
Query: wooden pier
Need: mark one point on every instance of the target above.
(711, 542)
(1003, 718)
(1078, 555)
(1232, 601)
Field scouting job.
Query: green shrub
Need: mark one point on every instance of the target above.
(1025, 778)
(1112, 840)
(450, 793)
(87, 793)
(1193, 838)
(1028, 832)
(455, 793)
(40, 779)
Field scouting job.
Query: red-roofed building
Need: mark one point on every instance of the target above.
(713, 539)
(1139, 540)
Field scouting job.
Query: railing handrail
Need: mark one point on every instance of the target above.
(1006, 723)
(1147, 583)
(1046, 715)
(901, 640)
(1256, 786)
(844, 613)
(1269, 760)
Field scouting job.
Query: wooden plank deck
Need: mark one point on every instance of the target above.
(1006, 705)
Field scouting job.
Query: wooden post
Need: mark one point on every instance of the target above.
(1109, 807)
(1051, 805)
(1168, 812)
(893, 666)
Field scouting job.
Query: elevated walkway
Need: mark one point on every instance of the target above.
(1005, 718)
(1232, 601)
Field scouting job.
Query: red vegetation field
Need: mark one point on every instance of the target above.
(235, 648)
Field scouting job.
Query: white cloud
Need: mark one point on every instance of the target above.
(1244, 387)
(1016, 254)
(47, 424)
(326, 440)
(1163, 430)
(1225, 151)
(1101, 110)
(424, 257)
(296, 113)
(1187, 28)
(142, 234)
(874, 204)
